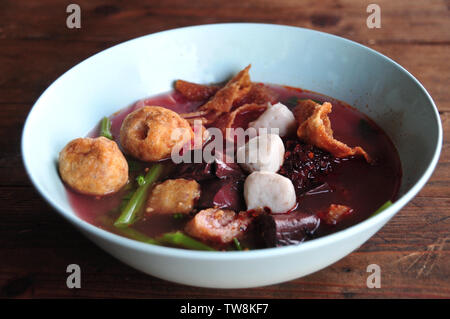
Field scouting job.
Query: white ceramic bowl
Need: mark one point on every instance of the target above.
(116, 77)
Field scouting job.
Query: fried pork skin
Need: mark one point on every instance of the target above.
(93, 166)
(218, 226)
(174, 196)
(151, 132)
(315, 128)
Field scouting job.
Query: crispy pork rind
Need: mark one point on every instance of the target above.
(218, 226)
(315, 128)
(194, 91)
(235, 89)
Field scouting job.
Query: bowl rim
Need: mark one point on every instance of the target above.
(239, 255)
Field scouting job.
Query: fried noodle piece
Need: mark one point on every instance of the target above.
(315, 128)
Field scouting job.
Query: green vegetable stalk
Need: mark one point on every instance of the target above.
(182, 240)
(237, 244)
(105, 128)
(140, 180)
(134, 234)
(131, 210)
(383, 207)
(128, 231)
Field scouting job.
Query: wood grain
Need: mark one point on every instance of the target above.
(36, 244)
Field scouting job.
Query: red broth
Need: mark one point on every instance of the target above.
(355, 183)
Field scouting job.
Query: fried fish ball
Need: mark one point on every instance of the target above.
(93, 166)
(174, 196)
(151, 132)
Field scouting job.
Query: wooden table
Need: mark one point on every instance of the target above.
(36, 245)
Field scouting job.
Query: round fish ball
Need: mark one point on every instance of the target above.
(277, 116)
(269, 190)
(261, 153)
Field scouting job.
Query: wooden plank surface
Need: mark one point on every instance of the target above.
(36, 245)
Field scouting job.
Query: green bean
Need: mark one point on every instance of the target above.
(131, 210)
(105, 128)
(182, 240)
(383, 207)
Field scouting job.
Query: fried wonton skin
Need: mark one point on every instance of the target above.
(151, 132)
(194, 91)
(315, 128)
(218, 226)
(228, 120)
(258, 94)
(227, 102)
(174, 196)
(235, 89)
(93, 166)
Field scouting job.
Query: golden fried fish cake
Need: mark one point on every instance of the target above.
(174, 196)
(93, 166)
